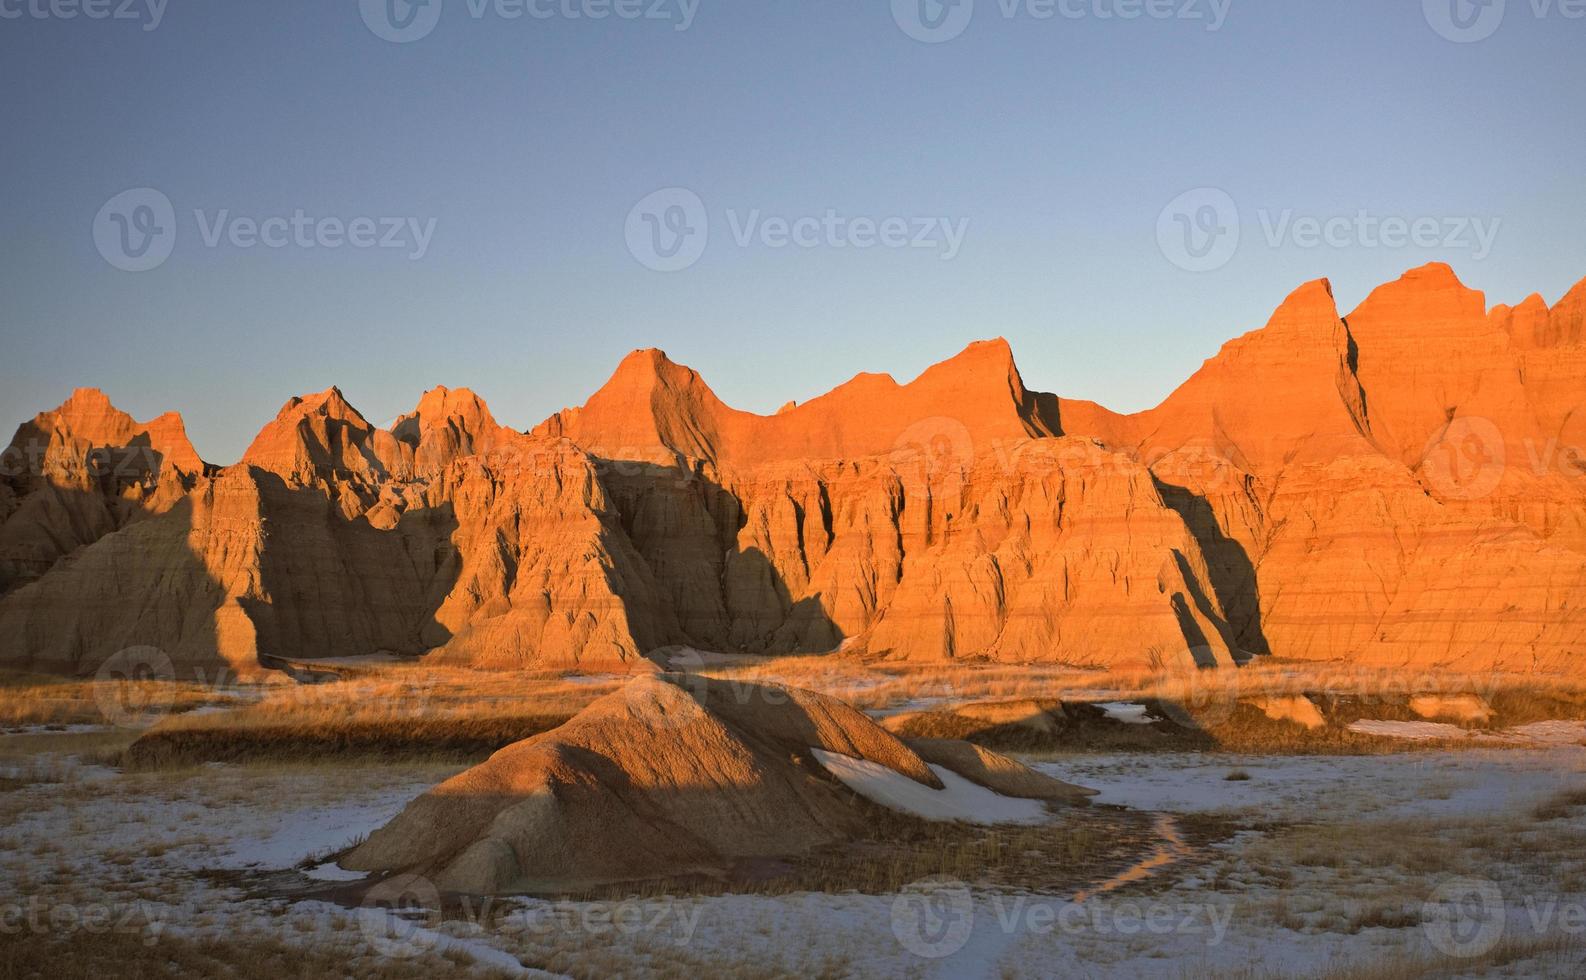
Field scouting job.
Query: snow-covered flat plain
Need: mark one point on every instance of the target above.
(1323, 863)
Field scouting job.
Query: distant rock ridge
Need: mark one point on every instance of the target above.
(657, 410)
(1401, 485)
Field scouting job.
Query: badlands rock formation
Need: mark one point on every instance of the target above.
(80, 472)
(1401, 486)
(669, 775)
(1404, 485)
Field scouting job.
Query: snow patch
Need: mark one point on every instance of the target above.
(1415, 730)
(313, 832)
(331, 871)
(1551, 732)
(1127, 712)
(959, 800)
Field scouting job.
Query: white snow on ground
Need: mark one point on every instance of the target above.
(404, 937)
(1125, 711)
(1245, 909)
(1417, 784)
(959, 800)
(330, 871)
(315, 831)
(1417, 730)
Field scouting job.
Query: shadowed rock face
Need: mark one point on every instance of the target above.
(1403, 485)
(670, 775)
(73, 475)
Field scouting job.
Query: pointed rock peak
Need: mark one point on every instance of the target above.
(995, 353)
(1530, 306)
(644, 369)
(1575, 299)
(650, 357)
(1567, 325)
(168, 434)
(88, 414)
(1422, 296)
(442, 406)
(1311, 304)
(330, 403)
(645, 376)
(86, 400)
(1317, 292)
(1434, 277)
(983, 369)
(981, 358)
(441, 403)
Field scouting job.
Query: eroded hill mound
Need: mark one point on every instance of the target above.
(671, 775)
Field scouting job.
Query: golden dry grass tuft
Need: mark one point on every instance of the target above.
(30, 700)
(403, 713)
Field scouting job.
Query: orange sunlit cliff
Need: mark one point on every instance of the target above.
(1402, 485)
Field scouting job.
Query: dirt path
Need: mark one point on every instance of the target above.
(1172, 849)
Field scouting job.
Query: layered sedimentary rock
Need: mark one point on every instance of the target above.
(1393, 486)
(931, 521)
(334, 538)
(1404, 485)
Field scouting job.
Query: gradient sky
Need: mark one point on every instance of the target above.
(528, 142)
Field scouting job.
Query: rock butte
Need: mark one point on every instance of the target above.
(668, 775)
(1399, 487)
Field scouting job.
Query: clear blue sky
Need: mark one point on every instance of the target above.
(528, 142)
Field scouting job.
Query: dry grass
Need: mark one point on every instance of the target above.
(85, 955)
(1559, 956)
(425, 711)
(1210, 709)
(37, 700)
(404, 713)
(1561, 806)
